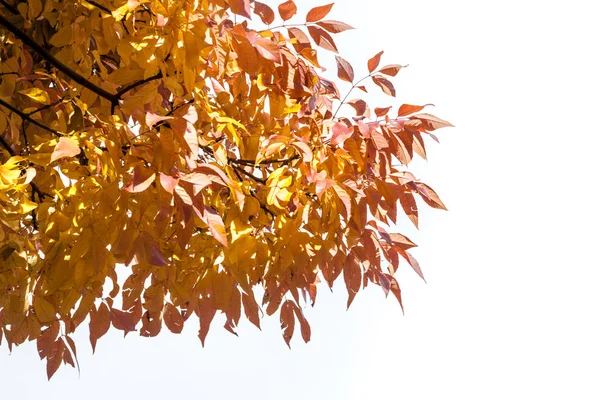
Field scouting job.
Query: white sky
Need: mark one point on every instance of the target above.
(510, 309)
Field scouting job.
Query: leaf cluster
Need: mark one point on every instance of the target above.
(203, 155)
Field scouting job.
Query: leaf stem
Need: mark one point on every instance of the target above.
(348, 94)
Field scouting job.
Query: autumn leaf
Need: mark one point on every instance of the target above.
(203, 157)
(287, 10)
(65, 148)
(345, 70)
(37, 95)
(265, 12)
(334, 26)
(407, 109)
(391, 70)
(240, 7)
(318, 13)
(374, 61)
(322, 38)
(385, 85)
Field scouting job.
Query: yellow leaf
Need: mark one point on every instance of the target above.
(36, 94)
(44, 310)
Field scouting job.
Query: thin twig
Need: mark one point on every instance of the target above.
(59, 65)
(26, 117)
(348, 94)
(251, 163)
(10, 8)
(249, 175)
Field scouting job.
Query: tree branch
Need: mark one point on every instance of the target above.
(248, 174)
(10, 8)
(100, 6)
(26, 117)
(251, 163)
(126, 89)
(114, 99)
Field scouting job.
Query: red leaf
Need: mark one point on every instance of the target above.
(352, 276)
(206, 313)
(286, 317)
(240, 7)
(391, 70)
(409, 205)
(395, 289)
(141, 179)
(345, 70)
(359, 105)
(374, 62)
(215, 225)
(55, 357)
(265, 12)
(287, 10)
(340, 132)
(153, 119)
(414, 264)
(402, 241)
(251, 309)
(318, 13)
(65, 148)
(304, 326)
(407, 109)
(334, 26)
(385, 85)
(322, 38)
(432, 122)
(380, 112)
(99, 323)
(429, 196)
(173, 319)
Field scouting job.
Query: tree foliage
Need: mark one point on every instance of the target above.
(205, 155)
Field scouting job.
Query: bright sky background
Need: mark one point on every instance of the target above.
(510, 310)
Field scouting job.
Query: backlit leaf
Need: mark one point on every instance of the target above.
(345, 70)
(374, 61)
(287, 10)
(65, 148)
(318, 13)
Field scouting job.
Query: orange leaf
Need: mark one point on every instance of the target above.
(215, 225)
(66, 147)
(334, 26)
(385, 85)
(380, 112)
(345, 70)
(395, 288)
(340, 132)
(265, 12)
(374, 62)
(304, 326)
(318, 13)
(172, 317)
(287, 320)
(407, 109)
(240, 7)
(141, 179)
(99, 323)
(287, 10)
(322, 38)
(352, 276)
(391, 70)
(432, 122)
(429, 196)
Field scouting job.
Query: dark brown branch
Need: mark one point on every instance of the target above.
(100, 6)
(251, 163)
(10, 8)
(7, 147)
(26, 117)
(248, 174)
(126, 89)
(114, 99)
